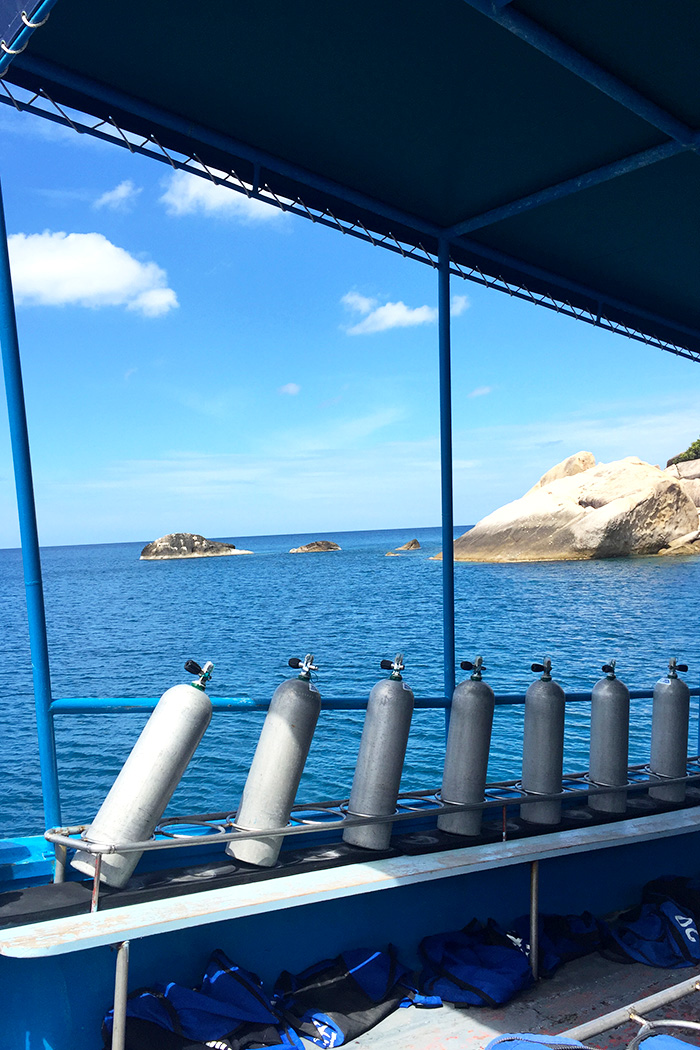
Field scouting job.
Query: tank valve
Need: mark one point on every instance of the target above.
(609, 668)
(204, 673)
(305, 666)
(476, 668)
(396, 667)
(545, 667)
(674, 668)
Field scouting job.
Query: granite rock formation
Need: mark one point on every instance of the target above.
(187, 545)
(689, 472)
(412, 545)
(577, 512)
(315, 547)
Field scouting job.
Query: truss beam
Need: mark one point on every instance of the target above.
(597, 309)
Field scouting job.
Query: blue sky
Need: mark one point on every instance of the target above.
(194, 364)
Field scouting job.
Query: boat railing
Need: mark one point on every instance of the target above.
(210, 829)
(135, 704)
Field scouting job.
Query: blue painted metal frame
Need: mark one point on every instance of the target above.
(31, 560)
(568, 57)
(232, 705)
(447, 518)
(683, 137)
(558, 286)
(19, 42)
(595, 177)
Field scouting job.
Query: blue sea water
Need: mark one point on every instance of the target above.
(121, 627)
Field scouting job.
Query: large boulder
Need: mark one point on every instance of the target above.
(412, 545)
(689, 472)
(575, 464)
(187, 545)
(315, 546)
(610, 510)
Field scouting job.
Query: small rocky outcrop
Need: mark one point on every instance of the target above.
(578, 512)
(412, 545)
(315, 547)
(689, 544)
(187, 545)
(392, 554)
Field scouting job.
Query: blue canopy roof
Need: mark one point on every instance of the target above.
(554, 146)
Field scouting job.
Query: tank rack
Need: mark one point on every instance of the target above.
(210, 829)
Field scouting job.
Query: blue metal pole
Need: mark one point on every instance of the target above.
(14, 392)
(448, 580)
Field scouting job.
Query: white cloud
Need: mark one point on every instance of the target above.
(85, 269)
(387, 316)
(187, 194)
(480, 391)
(289, 388)
(394, 315)
(358, 302)
(121, 198)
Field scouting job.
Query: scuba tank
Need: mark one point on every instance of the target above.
(610, 719)
(273, 779)
(467, 755)
(669, 733)
(375, 785)
(543, 746)
(148, 778)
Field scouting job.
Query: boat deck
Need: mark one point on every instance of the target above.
(578, 992)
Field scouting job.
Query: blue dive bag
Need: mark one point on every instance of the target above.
(229, 1010)
(478, 966)
(658, 934)
(338, 999)
(561, 938)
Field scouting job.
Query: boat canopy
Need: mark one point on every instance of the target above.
(552, 146)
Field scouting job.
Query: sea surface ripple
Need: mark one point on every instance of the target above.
(119, 627)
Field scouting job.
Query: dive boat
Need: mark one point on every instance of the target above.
(498, 142)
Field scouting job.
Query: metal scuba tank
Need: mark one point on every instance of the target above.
(610, 719)
(273, 779)
(375, 785)
(148, 778)
(669, 733)
(543, 746)
(467, 755)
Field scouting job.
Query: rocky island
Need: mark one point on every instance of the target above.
(315, 547)
(580, 510)
(412, 545)
(187, 545)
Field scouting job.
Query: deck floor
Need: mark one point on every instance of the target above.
(578, 992)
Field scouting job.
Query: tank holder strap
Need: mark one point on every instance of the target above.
(601, 784)
(368, 816)
(544, 794)
(664, 776)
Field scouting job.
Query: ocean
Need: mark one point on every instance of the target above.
(119, 627)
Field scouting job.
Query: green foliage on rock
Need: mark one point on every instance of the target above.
(692, 452)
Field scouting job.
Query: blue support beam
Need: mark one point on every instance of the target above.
(560, 288)
(569, 58)
(14, 391)
(567, 187)
(448, 582)
(163, 120)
